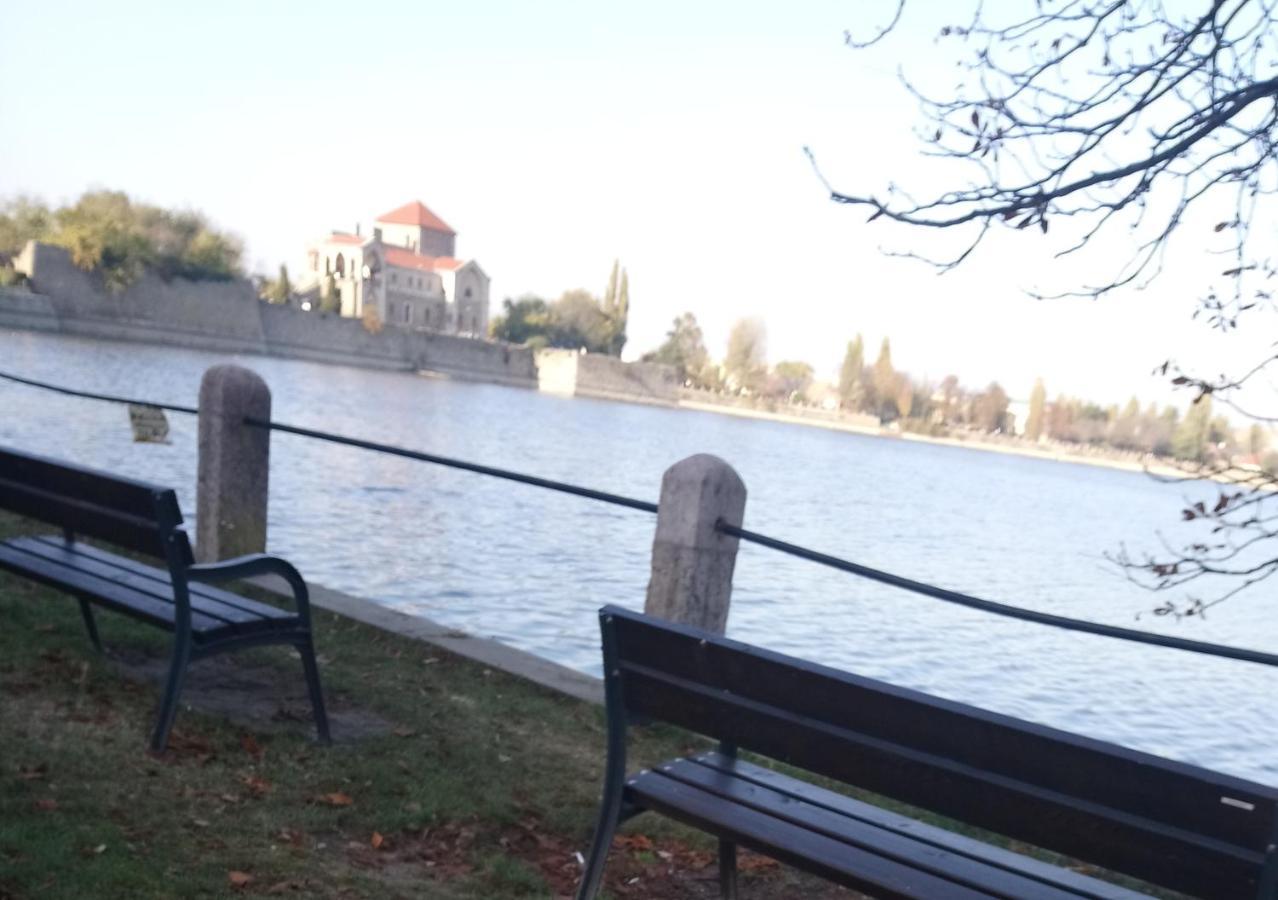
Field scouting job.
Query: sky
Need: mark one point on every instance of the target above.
(556, 137)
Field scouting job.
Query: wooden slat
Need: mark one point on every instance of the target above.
(930, 850)
(103, 591)
(815, 796)
(924, 772)
(218, 603)
(803, 849)
(83, 517)
(97, 488)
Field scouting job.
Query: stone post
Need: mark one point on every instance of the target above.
(233, 464)
(692, 562)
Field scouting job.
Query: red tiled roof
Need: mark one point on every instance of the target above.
(338, 237)
(407, 259)
(415, 214)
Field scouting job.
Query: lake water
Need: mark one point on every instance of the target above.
(531, 567)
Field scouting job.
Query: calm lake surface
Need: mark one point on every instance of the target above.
(531, 568)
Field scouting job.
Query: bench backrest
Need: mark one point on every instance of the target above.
(1166, 822)
(130, 514)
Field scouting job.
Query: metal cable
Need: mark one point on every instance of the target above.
(1000, 609)
(562, 487)
(918, 587)
(107, 397)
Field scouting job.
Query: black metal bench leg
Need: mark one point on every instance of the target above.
(609, 815)
(90, 624)
(307, 651)
(727, 870)
(172, 691)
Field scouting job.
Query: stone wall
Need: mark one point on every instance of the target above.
(27, 311)
(228, 316)
(571, 373)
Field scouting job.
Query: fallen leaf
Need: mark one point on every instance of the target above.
(251, 746)
(239, 879)
(259, 786)
(337, 798)
(377, 840)
(404, 732)
(46, 805)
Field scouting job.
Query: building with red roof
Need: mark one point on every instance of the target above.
(406, 273)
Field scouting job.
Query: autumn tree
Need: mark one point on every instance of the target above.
(1034, 421)
(1136, 124)
(746, 360)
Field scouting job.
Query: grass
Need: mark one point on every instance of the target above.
(446, 779)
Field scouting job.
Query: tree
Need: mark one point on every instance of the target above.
(884, 381)
(792, 378)
(989, 408)
(330, 299)
(684, 348)
(107, 233)
(746, 361)
(1137, 124)
(1190, 440)
(1034, 421)
(904, 396)
(520, 319)
(279, 290)
(850, 374)
(615, 306)
(578, 320)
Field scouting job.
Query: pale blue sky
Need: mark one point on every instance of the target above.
(555, 137)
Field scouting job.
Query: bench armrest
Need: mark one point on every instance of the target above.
(255, 564)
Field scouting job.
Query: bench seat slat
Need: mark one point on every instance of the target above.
(135, 589)
(832, 859)
(873, 829)
(208, 599)
(100, 590)
(819, 797)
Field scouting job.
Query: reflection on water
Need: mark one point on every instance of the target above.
(530, 567)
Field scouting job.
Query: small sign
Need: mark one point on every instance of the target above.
(149, 424)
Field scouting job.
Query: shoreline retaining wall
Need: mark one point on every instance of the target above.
(227, 316)
(574, 374)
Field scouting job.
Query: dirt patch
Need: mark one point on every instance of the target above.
(251, 692)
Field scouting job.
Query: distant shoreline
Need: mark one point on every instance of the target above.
(1157, 468)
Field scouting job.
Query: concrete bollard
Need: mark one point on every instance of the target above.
(692, 562)
(233, 465)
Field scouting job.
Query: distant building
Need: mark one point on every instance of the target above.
(406, 271)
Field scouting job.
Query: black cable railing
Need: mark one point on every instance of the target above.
(999, 609)
(549, 484)
(72, 392)
(763, 540)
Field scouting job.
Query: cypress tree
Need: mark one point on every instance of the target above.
(1034, 421)
(850, 389)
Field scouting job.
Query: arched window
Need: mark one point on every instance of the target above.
(341, 265)
(328, 268)
(467, 293)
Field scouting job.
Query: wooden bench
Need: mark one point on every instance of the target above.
(1167, 823)
(145, 519)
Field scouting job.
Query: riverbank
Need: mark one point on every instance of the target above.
(1160, 468)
